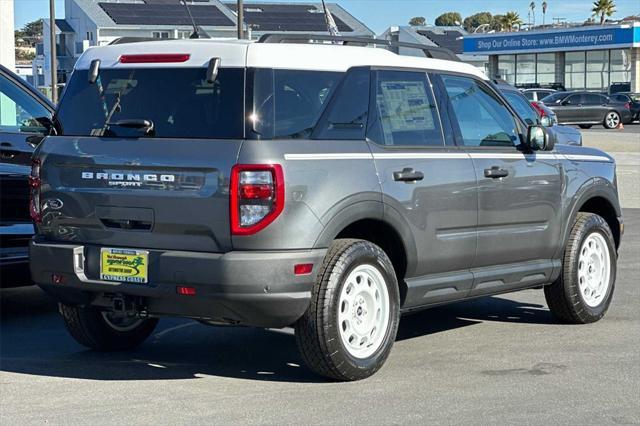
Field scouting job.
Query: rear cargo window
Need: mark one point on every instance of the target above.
(178, 101)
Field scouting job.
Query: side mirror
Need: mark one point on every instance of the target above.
(540, 139)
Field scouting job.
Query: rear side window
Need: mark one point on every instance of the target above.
(287, 104)
(530, 95)
(482, 118)
(405, 112)
(178, 101)
(592, 99)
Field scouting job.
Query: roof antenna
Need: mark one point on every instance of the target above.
(331, 23)
(195, 33)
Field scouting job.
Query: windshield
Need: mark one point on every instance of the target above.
(179, 102)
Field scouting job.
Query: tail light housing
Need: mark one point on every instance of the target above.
(541, 112)
(257, 196)
(35, 183)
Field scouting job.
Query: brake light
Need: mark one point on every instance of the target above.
(34, 192)
(154, 58)
(256, 196)
(541, 112)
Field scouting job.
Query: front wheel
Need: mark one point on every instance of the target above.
(352, 320)
(611, 120)
(103, 331)
(583, 291)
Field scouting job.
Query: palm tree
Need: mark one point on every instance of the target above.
(511, 19)
(544, 11)
(532, 7)
(604, 9)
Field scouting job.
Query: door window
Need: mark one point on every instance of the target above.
(19, 111)
(575, 100)
(593, 99)
(482, 118)
(405, 112)
(522, 107)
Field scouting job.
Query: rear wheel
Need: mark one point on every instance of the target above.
(352, 321)
(583, 291)
(104, 331)
(584, 126)
(611, 120)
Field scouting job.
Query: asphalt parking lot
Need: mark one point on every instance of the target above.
(499, 360)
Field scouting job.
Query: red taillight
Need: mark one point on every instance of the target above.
(186, 291)
(541, 112)
(34, 192)
(302, 268)
(256, 196)
(152, 58)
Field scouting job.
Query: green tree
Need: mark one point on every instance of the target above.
(510, 20)
(417, 21)
(604, 9)
(497, 22)
(472, 22)
(448, 19)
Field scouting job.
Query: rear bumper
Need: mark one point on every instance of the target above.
(250, 288)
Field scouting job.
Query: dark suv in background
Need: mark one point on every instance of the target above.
(586, 109)
(633, 99)
(24, 114)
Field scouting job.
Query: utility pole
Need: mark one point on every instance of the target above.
(240, 19)
(54, 61)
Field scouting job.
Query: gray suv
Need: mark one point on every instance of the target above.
(326, 187)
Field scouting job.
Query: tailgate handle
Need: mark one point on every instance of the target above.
(128, 224)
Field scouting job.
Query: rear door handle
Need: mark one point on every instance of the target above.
(408, 175)
(496, 172)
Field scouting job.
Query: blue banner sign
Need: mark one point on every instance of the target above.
(561, 39)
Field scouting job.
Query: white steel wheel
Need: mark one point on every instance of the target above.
(363, 311)
(594, 269)
(612, 120)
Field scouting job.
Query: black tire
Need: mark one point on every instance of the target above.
(88, 327)
(317, 332)
(605, 121)
(585, 126)
(563, 297)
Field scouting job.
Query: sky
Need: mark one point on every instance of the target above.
(380, 14)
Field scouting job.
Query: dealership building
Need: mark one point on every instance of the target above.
(581, 58)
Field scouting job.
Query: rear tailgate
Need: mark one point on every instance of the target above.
(145, 193)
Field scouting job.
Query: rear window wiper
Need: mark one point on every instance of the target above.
(146, 126)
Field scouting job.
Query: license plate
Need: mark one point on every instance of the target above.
(124, 265)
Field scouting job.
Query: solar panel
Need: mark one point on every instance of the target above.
(287, 17)
(156, 13)
(448, 40)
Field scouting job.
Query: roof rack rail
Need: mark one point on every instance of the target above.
(434, 52)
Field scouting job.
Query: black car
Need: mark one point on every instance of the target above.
(538, 114)
(633, 99)
(586, 109)
(24, 118)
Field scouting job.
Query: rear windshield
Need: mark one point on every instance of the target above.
(178, 101)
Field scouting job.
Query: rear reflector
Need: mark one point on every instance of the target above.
(302, 268)
(186, 291)
(154, 58)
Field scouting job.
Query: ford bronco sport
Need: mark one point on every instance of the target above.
(321, 186)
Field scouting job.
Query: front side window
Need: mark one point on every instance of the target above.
(482, 118)
(178, 101)
(406, 114)
(19, 112)
(574, 100)
(522, 107)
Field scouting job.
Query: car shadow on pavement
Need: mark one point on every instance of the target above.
(33, 341)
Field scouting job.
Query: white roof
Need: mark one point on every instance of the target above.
(242, 53)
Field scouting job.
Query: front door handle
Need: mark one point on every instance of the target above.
(408, 175)
(496, 172)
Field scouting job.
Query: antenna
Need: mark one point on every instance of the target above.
(195, 33)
